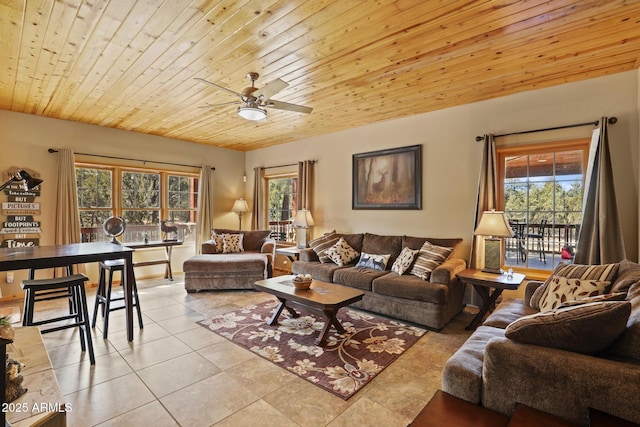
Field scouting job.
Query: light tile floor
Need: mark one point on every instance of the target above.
(177, 373)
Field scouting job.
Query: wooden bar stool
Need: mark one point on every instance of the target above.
(74, 286)
(103, 295)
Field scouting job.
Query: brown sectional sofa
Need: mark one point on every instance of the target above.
(213, 270)
(498, 372)
(429, 303)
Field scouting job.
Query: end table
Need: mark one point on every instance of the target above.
(490, 287)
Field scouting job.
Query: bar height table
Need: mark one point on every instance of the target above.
(39, 257)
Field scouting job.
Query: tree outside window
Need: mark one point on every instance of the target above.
(283, 201)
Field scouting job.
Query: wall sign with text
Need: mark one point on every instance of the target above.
(20, 227)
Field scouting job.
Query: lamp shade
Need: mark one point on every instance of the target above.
(303, 219)
(29, 181)
(240, 206)
(494, 223)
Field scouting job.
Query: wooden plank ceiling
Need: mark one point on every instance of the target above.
(131, 64)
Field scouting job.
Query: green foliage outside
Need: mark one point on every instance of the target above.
(559, 203)
(281, 199)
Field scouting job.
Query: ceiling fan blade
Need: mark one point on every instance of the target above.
(270, 89)
(221, 104)
(289, 107)
(219, 87)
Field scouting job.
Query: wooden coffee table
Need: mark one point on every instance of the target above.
(322, 298)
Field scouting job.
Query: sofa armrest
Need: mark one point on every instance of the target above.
(208, 247)
(559, 382)
(530, 288)
(308, 255)
(269, 248)
(446, 272)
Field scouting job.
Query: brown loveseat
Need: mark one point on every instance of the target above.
(431, 302)
(215, 269)
(497, 372)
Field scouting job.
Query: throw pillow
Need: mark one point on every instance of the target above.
(373, 261)
(587, 328)
(429, 257)
(404, 260)
(232, 243)
(618, 296)
(604, 272)
(628, 274)
(216, 239)
(323, 243)
(342, 253)
(562, 289)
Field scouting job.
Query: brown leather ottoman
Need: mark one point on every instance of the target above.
(224, 271)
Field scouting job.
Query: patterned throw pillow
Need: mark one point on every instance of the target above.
(323, 243)
(217, 242)
(604, 272)
(232, 243)
(373, 261)
(429, 257)
(341, 253)
(404, 260)
(562, 289)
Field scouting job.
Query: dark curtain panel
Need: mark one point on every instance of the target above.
(487, 196)
(257, 214)
(305, 185)
(600, 238)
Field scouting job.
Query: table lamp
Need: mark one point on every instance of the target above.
(240, 206)
(302, 222)
(495, 225)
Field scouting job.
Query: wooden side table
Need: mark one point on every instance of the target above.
(167, 244)
(490, 287)
(445, 410)
(291, 252)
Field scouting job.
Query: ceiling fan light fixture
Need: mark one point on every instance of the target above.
(252, 113)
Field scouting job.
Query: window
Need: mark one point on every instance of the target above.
(541, 192)
(141, 197)
(283, 197)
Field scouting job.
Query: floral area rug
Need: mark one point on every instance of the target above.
(343, 366)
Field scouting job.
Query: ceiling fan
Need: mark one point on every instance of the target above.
(254, 101)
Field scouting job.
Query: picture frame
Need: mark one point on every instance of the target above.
(388, 179)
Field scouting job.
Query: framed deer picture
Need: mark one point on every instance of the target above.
(388, 179)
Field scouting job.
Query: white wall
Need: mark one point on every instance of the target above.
(25, 139)
(451, 156)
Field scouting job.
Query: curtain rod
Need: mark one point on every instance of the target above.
(282, 166)
(52, 150)
(611, 121)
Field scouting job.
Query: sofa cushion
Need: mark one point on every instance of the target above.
(404, 260)
(604, 272)
(318, 270)
(587, 328)
(509, 310)
(561, 289)
(373, 261)
(429, 257)
(411, 287)
(232, 243)
(354, 240)
(357, 277)
(616, 296)
(378, 244)
(322, 243)
(252, 240)
(627, 347)
(628, 274)
(342, 253)
(462, 373)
